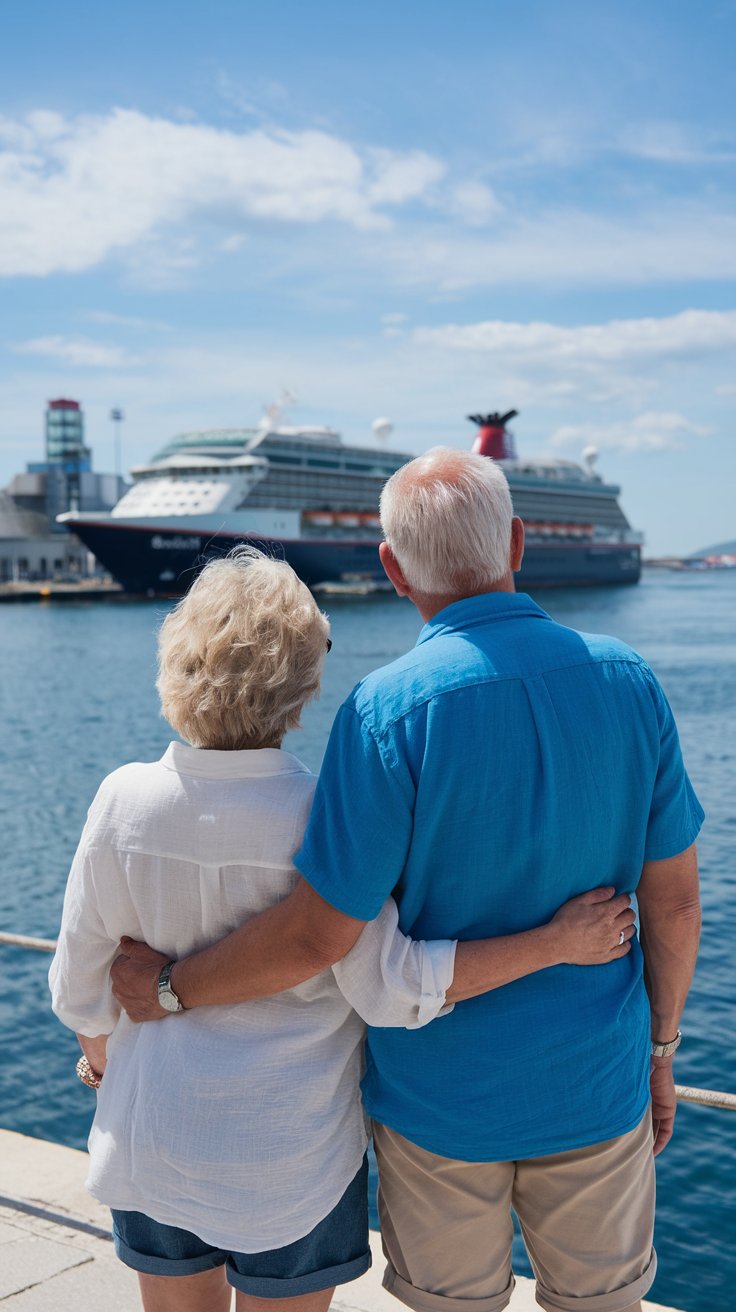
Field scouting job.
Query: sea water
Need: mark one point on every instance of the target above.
(78, 699)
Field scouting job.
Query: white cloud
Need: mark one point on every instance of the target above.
(620, 341)
(234, 242)
(622, 360)
(474, 203)
(566, 248)
(673, 143)
(135, 322)
(77, 351)
(232, 95)
(563, 140)
(400, 178)
(74, 191)
(393, 324)
(653, 431)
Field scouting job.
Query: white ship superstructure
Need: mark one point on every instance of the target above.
(304, 493)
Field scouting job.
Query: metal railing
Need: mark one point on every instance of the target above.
(685, 1093)
(23, 941)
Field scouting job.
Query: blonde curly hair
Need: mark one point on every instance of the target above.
(241, 653)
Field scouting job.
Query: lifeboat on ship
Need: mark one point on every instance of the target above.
(318, 518)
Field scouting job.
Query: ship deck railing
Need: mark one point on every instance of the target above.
(685, 1093)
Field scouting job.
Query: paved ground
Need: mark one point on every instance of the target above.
(56, 1254)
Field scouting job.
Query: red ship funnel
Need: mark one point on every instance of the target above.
(493, 439)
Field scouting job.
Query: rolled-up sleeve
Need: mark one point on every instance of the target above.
(392, 980)
(361, 822)
(675, 814)
(79, 976)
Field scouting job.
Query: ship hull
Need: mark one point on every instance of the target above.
(163, 561)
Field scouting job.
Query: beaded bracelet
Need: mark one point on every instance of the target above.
(87, 1074)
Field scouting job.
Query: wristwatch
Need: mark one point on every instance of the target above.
(658, 1049)
(166, 995)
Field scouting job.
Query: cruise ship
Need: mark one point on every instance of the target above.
(313, 499)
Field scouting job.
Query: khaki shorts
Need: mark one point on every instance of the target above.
(587, 1218)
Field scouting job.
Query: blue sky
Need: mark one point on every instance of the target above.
(418, 211)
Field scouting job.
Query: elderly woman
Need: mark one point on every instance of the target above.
(229, 1142)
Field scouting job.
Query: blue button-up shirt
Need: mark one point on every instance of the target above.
(502, 766)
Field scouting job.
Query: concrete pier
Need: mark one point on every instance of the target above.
(48, 590)
(55, 1248)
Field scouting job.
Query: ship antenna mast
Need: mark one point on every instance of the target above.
(273, 413)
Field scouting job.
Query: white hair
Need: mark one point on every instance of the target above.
(241, 654)
(447, 519)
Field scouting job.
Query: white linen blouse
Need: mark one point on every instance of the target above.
(243, 1123)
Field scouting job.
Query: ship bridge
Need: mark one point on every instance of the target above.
(209, 442)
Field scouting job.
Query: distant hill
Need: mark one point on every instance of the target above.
(720, 549)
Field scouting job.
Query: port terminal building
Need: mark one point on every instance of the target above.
(33, 546)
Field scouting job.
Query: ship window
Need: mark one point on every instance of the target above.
(322, 464)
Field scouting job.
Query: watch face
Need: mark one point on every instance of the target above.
(168, 1000)
(166, 995)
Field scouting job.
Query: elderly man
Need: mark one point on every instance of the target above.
(503, 765)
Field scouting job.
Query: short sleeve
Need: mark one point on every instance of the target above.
(675, 814)
(360, 826)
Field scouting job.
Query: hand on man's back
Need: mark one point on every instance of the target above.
(594, 928)
(134, 975)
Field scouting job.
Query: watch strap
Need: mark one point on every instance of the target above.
(667, 1049)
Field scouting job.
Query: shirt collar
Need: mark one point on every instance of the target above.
(208, 764)
(483, 609)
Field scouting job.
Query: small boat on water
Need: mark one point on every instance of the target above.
(306, 494)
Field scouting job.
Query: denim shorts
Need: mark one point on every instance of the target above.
(335, 1252)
